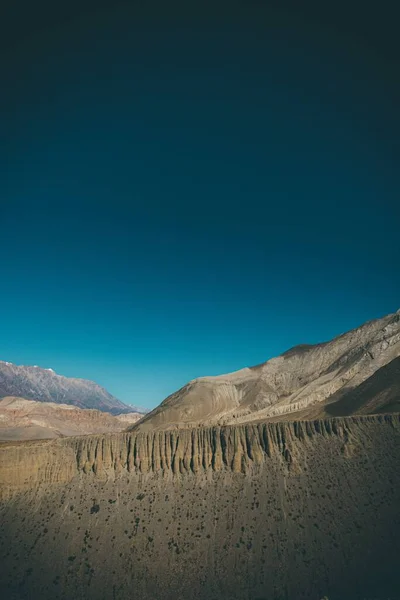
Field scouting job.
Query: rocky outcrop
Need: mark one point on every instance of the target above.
(302, 377)
(237, 449)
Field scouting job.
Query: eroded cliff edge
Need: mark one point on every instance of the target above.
(295, 510)
(237, 448)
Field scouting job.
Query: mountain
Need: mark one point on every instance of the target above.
(380, 393)
(302, 380)
(22, 419)
(44, 385)
(277, 511)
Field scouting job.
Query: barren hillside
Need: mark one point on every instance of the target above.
(303, 379)
(22, 419)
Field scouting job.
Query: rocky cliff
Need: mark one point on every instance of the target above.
(303, 377)
(288, 511)
(232, 448)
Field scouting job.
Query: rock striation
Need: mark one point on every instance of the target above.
(303, 377)
(237, 448)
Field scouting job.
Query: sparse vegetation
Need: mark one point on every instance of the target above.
(299, 521)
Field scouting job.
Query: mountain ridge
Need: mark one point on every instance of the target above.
(45, 385)
(303, 376)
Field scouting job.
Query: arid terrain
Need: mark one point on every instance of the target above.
(22, 419)
(352, 374)
(199, 300)
(38, 403)
(269, 511)
(297, 497)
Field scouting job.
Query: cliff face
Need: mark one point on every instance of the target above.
(290, 511)
(233, 448)
(302, 377)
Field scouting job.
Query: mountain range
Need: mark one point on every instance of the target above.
(44, 385)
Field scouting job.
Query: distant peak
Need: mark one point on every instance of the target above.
(32, 383)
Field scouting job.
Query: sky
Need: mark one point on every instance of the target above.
(187, 189)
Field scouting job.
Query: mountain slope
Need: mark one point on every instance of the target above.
(44, 385)
(22, 419)
(379, 393)
(303, 377)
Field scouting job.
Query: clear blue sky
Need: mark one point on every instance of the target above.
(189, 193)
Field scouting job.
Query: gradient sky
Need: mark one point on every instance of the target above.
(190, 189)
